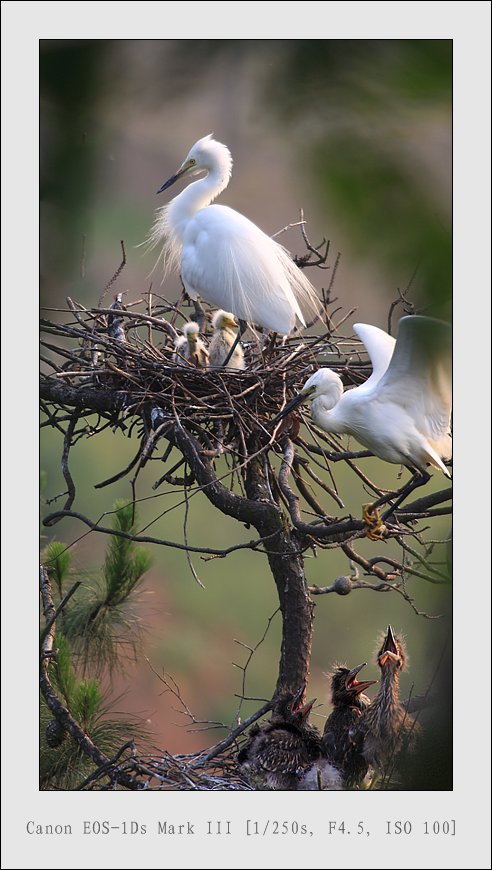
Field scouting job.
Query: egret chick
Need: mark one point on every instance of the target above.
(223, 339)
(341, 747)
(402, 413)
(279, 753)
(190, 347)
(223, 256)
(385, 724)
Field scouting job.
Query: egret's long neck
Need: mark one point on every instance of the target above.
(325, 410)
(197, 195)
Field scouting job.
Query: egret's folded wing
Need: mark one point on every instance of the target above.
(419, 375)
(379, 346)
(233, 264)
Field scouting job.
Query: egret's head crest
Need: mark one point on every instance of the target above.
(207, 154)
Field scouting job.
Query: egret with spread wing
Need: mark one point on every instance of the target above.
(402, 413)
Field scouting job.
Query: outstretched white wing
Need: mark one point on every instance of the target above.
(379, 346)
(418, 377)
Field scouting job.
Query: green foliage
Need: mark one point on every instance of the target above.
(364, 103)
(43, 477)
(102, 623)
(359, 75)
(65, 765)
(82, 697)
(57, 559)
(61, 670)
(87, 699)
(125, 564)
(388, 215)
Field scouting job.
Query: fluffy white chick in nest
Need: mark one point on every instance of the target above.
(225, 326)
(190, 348)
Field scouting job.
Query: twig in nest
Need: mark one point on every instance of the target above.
(116, 274)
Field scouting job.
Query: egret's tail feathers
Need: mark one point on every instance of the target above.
(306, 302)
(439, 450)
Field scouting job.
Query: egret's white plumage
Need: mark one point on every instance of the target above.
(223, 256)
(402, 413)
(379, 346)
(225, 328)
(190, 347)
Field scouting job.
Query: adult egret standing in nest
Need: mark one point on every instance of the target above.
(223, 256)
(190, 347)
(402, 413)
(224, 325)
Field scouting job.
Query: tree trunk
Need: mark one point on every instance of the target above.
(257, 509)
(287, 566)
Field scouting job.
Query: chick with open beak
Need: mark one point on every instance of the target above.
(386, 726)
(392, 652)
(342, 745)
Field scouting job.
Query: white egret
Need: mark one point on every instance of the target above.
(190, 347)
(224, 325)
(223, 256)
(402, 413)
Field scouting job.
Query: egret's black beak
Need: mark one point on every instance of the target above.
(173, 178)
(297, 400)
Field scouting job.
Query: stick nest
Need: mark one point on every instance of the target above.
(166, 772)
(138, 369)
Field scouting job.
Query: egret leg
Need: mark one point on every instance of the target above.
(419, 478)
(375, 526)
(371, 514)
(200, 314)
(266, 344)
(242, 329)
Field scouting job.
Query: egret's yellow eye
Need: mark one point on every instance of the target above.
(192, 161)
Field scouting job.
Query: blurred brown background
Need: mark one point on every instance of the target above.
(358, 134)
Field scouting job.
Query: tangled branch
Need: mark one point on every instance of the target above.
(210, 415)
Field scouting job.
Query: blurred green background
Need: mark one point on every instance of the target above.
(358, 134)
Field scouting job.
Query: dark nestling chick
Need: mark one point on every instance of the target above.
(279, 752)
(342, 744)
(115, 323)
(387, 728)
